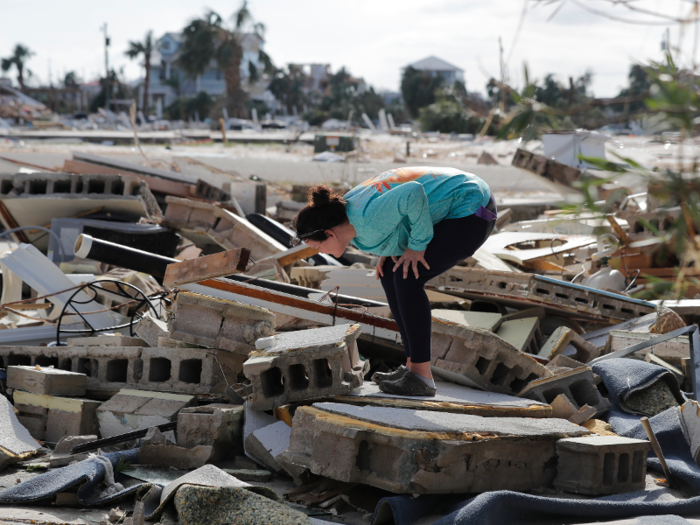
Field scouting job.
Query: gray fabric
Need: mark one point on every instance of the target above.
(89, 473)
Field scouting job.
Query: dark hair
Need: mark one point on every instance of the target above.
(325, 209)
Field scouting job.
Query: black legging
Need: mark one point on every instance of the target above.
(453, 241)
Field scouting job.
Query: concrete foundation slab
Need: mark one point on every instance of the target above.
(421, 452)
(453, 398)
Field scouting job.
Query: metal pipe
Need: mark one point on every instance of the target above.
(89, 247)
(120, 438)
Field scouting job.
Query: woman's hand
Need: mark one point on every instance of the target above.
(379, 270)
(411, 258)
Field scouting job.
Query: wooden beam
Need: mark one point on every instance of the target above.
(293, 255)
(201, 268)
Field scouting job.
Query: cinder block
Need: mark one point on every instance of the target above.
(600, 465)
(527, 290)
(219, 323)
(308, 364)
(136, 409)
(151, 329)
(671, 351)
(481, 359)
(54, 418)
(577, 385)
(563, 408)
(423, 452)
(216, 425)
(47, 381)
(563, 337)
(106, 340)
(109, 369)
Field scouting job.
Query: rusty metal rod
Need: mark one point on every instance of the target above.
(657, 448)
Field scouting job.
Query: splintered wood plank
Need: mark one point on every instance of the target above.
(293, 255)
(201, 268)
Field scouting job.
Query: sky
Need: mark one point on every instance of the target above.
(373, 39)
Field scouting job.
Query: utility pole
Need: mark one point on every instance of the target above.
(108, 79)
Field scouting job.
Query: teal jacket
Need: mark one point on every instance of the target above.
(397, 209)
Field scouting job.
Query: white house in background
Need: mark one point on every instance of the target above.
(168, 81)
(437, 66)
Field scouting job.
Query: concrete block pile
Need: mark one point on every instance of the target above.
(254, 365)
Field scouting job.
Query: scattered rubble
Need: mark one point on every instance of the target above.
(166, 320)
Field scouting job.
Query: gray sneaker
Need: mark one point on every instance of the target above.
(378, 377)
(408, 385)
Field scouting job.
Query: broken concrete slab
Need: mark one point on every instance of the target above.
(422, 452)
(598, 465)
(563, 408)
(304, 365)
(219, 323)
(521, 290)
(268, 442)
(564, 361)
(524, 334)
(50, 418)
(16, 442)
(453, 398)
(151, 329)
(136, 409)
(484, 320)
(254, 420)
(563, 337)
(209, 225)
(577, 385)
(216, 425)
(481, 359)
(47, 381)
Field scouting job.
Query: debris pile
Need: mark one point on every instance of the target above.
(162, 346)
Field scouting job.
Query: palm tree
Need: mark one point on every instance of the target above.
(18, 59)
(146, 49)
(210, 38)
